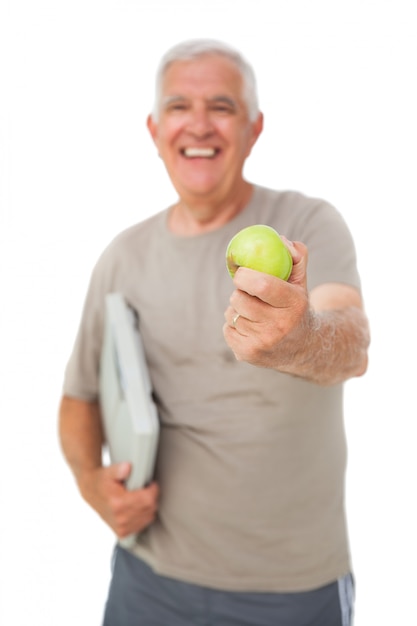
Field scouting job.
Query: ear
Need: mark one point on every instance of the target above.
(257, 128)
(152, 127)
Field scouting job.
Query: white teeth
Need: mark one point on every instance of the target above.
(199, 152)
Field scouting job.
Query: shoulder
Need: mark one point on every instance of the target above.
(139, 232)
(290, 199)
(128, 245)
(320, 226)
(296, 213)
(134, 238)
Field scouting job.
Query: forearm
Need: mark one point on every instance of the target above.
(81, 435)
(328, 348)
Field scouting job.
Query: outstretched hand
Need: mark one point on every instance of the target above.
(267, 317)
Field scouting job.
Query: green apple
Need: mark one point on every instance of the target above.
(260, 248)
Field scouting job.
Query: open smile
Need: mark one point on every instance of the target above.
(200, 153)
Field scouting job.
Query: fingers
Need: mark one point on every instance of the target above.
(257, 292)
(136, 510)
(235, 321)
(260, 284)
(299, 255)
(119, 471)
(126, 512)
(264, 310)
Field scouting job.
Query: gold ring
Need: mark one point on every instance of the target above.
(234, 321)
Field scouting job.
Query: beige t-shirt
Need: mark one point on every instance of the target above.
(251, 462)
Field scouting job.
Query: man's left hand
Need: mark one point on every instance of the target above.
(268, 317)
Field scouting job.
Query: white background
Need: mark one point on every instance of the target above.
(337, 86)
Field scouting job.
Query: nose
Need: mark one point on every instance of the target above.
(199, 122)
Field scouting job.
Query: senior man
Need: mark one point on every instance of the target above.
(245, 521)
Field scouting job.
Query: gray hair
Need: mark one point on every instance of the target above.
(195, 48)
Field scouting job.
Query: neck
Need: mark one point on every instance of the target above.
(200, 216)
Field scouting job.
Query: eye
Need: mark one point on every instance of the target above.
(176, 106)
(223, 107)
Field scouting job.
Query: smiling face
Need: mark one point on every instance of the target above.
(203, 133)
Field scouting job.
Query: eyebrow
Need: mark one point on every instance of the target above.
(225, 100)
(215, 99)
(171, 99)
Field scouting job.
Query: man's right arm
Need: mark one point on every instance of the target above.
(81, 437)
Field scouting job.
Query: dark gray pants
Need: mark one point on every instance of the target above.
(138, 597)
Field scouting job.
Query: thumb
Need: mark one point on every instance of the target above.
(120, 471)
